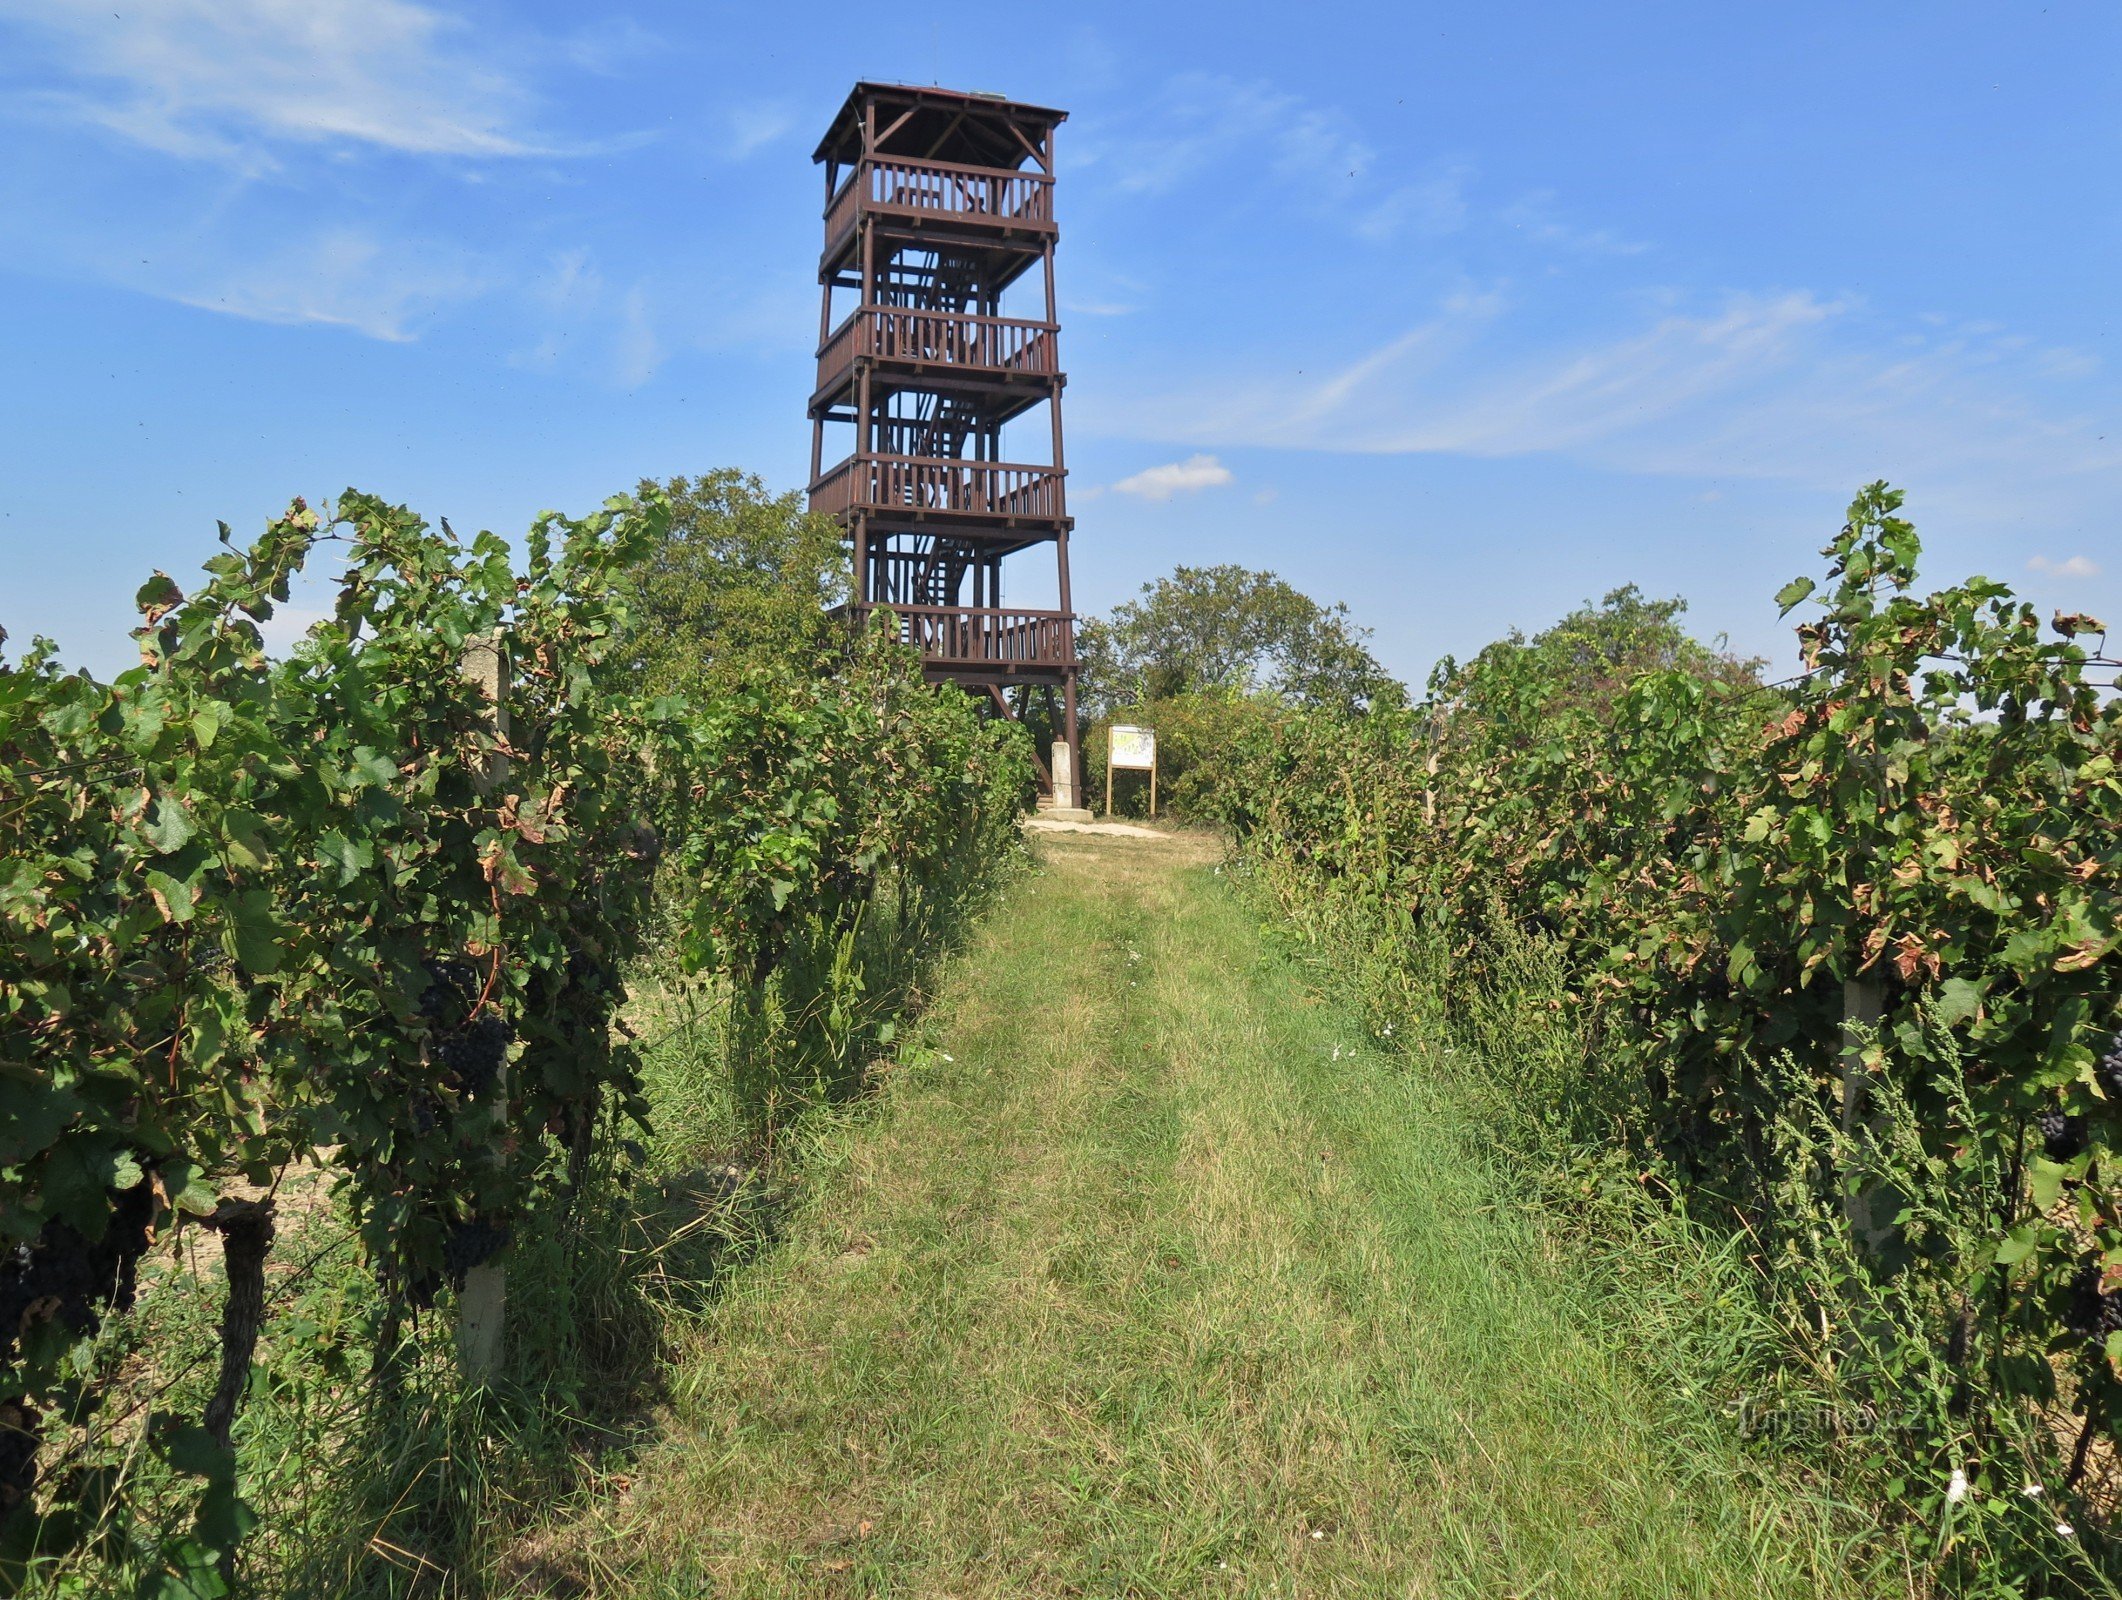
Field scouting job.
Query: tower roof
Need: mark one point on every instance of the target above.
(939, 125)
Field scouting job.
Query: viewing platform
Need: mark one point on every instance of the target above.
(922, 490)
(988, 645)
(978, 204)
(913, 348)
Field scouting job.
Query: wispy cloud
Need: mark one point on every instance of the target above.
(638, 351)
(1201, 121)
(1190, 476)
(1111, 294)
(2068, 567)
(231, 80)
(1538, 218)
(753, 127)
(1790, 385)
(1432, 205)
(608, 45)
(1595, 394)
(267, 210)
(589, 320)
(623, 327)
(341, 277)
(572, 283)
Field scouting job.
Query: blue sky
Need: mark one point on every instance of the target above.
(1458, 313)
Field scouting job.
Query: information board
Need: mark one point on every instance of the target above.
(1134, 747)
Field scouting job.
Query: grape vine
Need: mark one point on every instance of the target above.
(343, 908)
(1923, 827)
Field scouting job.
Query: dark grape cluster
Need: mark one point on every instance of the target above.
(63, 1275)
(473, 1052)
(473, 1055)
(2094, 1312)
(465, 1245)
(471, 1243)
(2109, 1071)
(2062, 1136)
(452, 990)
(587, 973)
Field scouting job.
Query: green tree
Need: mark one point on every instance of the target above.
(1227, 629)
(1586, 661)
(740, 584)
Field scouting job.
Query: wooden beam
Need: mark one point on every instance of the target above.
(899, 123)
(943, 138)
(1046, 166)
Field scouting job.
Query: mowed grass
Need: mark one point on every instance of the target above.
(1164, 1283)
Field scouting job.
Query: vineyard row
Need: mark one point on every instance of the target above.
(374, 908)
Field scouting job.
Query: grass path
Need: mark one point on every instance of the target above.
(1149, 1291)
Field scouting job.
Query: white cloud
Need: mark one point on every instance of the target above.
(1203, 120)
(1432, 206)
(1115, 294)
(1787, 385)
(753, 127)
(1537, 217)
(2063, 362)
(613, 328)
(226, 80)
(638, 352)
(573, 284)
(1201, 123)
(1190, 476)
(622, 330)
(1569, 400)
(607, 45)
(341, 277)
(2068, 567)
(1200, 118)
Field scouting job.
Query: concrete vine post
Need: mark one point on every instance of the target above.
(1063, 767)
(482, 1304)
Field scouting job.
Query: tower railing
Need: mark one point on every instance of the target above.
(931, 484)
(981, 635)
(997, 346)
(1006, 197)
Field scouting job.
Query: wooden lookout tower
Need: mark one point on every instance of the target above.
(939, 215)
